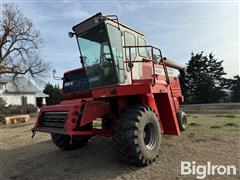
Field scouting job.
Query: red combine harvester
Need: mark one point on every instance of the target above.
(125, 89)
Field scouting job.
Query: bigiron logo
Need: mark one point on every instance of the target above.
(202, 171)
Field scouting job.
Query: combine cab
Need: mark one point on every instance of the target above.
(125, 89)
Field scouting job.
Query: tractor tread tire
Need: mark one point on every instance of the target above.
(126, 135)
(182, 120)
(64, 141)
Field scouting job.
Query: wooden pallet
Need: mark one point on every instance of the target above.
(17, 119)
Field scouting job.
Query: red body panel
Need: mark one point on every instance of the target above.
(93, 110)
(155, 89)
(76, 95)
(159, 97)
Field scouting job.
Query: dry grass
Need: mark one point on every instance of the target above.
(225, 122)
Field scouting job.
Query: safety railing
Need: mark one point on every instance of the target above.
(158, 61)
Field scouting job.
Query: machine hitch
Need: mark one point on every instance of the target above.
(33, 133)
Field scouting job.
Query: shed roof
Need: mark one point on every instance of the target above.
(19, 85)
(41, 94)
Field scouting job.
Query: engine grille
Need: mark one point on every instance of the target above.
(55, 119)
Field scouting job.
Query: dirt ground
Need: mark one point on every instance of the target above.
(209, 137)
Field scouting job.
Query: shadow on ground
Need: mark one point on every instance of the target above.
(97, 160)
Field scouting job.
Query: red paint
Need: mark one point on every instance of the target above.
(157, 90)
(93, 110)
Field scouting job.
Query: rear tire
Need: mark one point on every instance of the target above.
(64, 141)
(137, 135)
(182, 120)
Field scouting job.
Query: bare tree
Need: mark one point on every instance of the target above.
(19, 45)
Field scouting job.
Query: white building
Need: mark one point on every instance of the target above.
(20, 90)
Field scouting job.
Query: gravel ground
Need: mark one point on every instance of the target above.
(209, 138)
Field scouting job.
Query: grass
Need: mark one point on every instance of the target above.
(194, 124)
(215, 122)
(231, 116)
(231, 124)
(215, 127)
(232, 129)
(227, 116)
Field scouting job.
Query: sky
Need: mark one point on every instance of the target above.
(178, 28)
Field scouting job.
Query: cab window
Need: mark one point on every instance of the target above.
(130, 41)
(142, 50)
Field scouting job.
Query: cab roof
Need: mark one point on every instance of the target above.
(108, 18)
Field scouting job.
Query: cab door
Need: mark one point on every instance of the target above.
(117, 51)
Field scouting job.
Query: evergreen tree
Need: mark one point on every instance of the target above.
(204, 82)
(54, 93)
(235, 88)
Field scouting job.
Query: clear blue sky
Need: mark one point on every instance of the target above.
(178, 28)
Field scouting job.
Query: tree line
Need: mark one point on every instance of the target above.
(205, 81)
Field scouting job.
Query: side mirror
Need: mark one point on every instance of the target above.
(56, 77)
(71, 34)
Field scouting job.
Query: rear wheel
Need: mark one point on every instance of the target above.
(64, 141)
(137, 135)
(182, 120)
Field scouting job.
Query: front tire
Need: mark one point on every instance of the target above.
(137, 135)
(64, 141)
